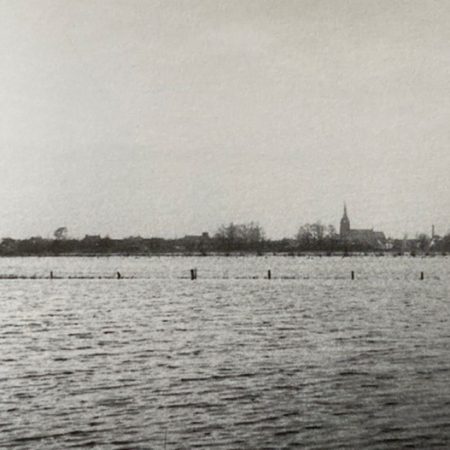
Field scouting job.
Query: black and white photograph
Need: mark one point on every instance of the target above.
(224, 224)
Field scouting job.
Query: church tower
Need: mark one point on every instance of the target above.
(344, 230)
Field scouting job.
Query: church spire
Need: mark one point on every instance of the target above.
(345, 223)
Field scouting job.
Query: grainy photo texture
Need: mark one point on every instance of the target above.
(224, 224)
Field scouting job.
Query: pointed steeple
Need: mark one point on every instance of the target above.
(345, 211)
(345, 224)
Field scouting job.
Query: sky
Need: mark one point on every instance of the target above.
(166, 118)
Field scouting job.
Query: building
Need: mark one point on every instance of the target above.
(344, 229)
(371, 238)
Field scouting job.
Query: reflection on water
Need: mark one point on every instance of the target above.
(158, 361)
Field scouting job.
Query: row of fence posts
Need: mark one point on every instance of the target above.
(269, 275)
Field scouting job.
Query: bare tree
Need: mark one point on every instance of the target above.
(60, 233)
(240, 236)
(314, 235)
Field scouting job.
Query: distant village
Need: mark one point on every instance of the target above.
(236, 239)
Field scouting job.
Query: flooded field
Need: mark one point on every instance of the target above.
(308, 359)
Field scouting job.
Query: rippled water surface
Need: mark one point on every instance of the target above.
(309, 359)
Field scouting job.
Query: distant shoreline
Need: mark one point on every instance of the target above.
(315, 254)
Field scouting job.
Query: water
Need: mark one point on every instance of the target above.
(309, 359)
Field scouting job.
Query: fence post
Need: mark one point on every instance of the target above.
(353, 275)
(269, 275)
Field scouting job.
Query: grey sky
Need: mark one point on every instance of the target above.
(171, 117)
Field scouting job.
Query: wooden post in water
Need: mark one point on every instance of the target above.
(193, 274)
(269, 275)
(51, 275)
(422, 275)
(119, 276)
(353, 275)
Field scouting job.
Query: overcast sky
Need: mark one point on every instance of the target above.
(165, 118)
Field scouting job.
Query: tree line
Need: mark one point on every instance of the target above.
(230, 238)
